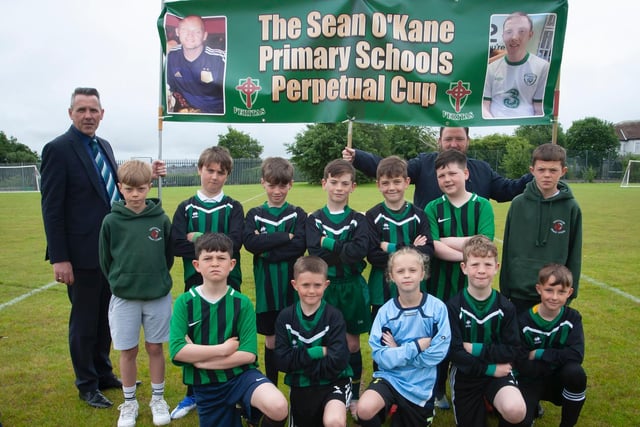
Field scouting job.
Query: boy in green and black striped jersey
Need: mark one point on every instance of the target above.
(274, 234)
(553, 336)
(311, 348)
(213, 337)
(340, 236)
(210, 210)
(485, 343)
(454, 218)
(394, 223)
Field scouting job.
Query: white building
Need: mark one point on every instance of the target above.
(629, 136)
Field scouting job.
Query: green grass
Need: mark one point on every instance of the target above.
(36, 377)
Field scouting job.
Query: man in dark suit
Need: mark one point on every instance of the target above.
(75, 199)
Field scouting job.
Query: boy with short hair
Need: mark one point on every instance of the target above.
(544, 224)
(213, 337)
(485, 343)
(274, 234)
(409, 337)
(340, 236)
(135, 256)
(209, 210)
(552, 334)
(454, 218)
(311, 348)
(394, 223)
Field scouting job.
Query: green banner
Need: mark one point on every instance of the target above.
(432, 62)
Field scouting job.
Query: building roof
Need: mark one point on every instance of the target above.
(628, 130)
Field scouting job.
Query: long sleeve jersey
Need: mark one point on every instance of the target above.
(555, 342)
(409, 370)
(491, 326)
(266, 235)
(299, 342)
(195, 215)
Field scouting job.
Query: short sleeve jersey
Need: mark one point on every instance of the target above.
(513, 87)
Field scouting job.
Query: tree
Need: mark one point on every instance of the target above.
(490, 148)
(517, 158)
(320, 143)
(541, 134)
(597, 137)
(11, 151)
(409, 141)
(241, 145)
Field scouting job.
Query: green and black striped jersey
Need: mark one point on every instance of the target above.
(266, 235)
(555, 342)
(346, 241)
(299, 343)
(399, 229)
(195, 215)
(209, 323)
(491, 326)
(447, 220)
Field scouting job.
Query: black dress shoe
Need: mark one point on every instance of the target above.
(96, 399)
(109, 382)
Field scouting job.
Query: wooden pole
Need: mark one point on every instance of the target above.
(556, 107)
(349, 133)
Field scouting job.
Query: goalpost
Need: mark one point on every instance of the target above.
(19, 178)
(631, 176)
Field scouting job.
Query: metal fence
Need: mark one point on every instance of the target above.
(582, 165)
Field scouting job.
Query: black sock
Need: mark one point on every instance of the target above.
(270, 365)
(355, 360)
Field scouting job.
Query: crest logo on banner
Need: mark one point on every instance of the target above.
(458, 94)
(248, 89)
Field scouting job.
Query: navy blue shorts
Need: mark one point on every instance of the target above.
(216, 403)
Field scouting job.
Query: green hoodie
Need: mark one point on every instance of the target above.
(539, 231)
(135, 251)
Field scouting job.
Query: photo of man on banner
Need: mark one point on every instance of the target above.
(195, 65)
(520, 48)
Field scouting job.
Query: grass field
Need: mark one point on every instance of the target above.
(36, 377)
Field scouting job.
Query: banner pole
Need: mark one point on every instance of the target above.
(350, 133)
(160, 112)
(556, 107)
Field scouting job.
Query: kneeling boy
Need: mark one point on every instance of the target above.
(213, 337)
(311, 348)
(485, 343)
(553, 335)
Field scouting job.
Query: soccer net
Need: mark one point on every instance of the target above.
(631, 176)
(19, 178)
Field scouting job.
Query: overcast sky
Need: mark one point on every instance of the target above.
(114, 46)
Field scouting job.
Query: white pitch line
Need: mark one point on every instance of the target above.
(610, 288)
(27, 295)
(49, 285)
(601, 284)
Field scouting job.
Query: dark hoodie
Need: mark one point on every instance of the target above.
(135, 251)
(539, 231)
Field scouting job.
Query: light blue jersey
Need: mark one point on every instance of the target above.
(410, 371)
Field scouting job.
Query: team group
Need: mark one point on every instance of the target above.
(428, 306)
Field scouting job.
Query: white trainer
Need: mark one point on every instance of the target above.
(160, 411)
(128, 413)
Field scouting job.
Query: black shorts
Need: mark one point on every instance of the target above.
(469, 394)
(408, 414)
(307, 403)
(266, 322)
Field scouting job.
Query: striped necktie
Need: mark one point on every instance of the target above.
(105, 172)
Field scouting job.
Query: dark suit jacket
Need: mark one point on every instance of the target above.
(74, 200)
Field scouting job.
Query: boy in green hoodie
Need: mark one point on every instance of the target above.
(135, 256)
(544, 225)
